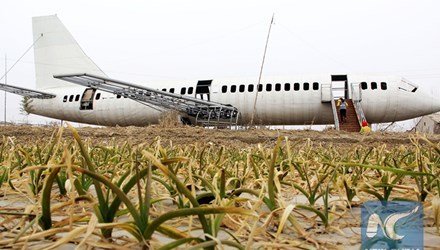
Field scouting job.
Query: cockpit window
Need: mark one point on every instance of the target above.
(408, 86)
(383, 85)
(373, 85)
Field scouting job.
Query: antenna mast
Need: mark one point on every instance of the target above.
(261, 72)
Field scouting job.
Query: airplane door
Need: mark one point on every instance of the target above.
(87, 99)
(203, 90)
(339, 86)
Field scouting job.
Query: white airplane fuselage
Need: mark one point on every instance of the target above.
(282, 105)
(290, 100)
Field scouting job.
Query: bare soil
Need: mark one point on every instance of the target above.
(185, 135)
(197, 135)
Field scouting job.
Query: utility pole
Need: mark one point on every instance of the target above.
(6, 82)
(261, 72)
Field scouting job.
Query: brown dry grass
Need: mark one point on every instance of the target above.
(181, 134)
(236, 139)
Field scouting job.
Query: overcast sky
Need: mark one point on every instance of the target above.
(142, 41)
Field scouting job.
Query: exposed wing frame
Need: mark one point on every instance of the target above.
(200, 109)
(26, 92)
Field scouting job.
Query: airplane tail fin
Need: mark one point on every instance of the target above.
(57, 52)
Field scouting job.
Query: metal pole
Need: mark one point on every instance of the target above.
(261, 72)
(6, 82)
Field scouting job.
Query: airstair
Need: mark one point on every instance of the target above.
(330, 94)
(355, 115)
(356, 92)
(352, 122)
(203, 112)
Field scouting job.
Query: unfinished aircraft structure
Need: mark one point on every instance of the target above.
(71, 87)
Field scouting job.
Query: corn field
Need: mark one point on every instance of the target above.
(289, 194)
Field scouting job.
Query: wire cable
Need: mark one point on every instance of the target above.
(18, 60)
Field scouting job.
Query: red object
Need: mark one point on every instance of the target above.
(364, 124)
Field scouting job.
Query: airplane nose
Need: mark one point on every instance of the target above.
(423, 104)
(435, 104)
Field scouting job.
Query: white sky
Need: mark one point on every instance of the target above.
(142, 41)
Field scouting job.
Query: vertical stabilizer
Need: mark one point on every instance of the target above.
(57, 52)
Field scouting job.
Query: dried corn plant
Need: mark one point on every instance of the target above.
(278, 195)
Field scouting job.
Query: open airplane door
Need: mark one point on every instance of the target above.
(203, 90)
(87, 99)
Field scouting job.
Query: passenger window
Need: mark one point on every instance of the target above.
(233, 89)
(250, 88)
(287, 87)
(260, 87)
(296, 86)
(98, 96)
(65, 98)
(183, 91)
(118, 96)
(171, 90)
(315, 86)
(190, 90)
(278, 87)
(71, 98)
(306, 86)
(364, 85)
(383, 85)
(374, 85)
(76, 98)
(224, 89)
(268, 87)
(241, 88)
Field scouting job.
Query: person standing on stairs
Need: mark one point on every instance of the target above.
(342, 109)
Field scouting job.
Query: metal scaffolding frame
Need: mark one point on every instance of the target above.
(26, 92)
(206, 113)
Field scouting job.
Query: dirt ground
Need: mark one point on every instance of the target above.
(227, 137)
(184, 135)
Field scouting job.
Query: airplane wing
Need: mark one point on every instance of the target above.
(192, 106)
(25, 92)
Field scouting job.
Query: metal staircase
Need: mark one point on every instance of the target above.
(355, 115)
(357, 99)
(337, 91)
(335, 114)
(330, 93)
(352, 123)
(205, 113)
